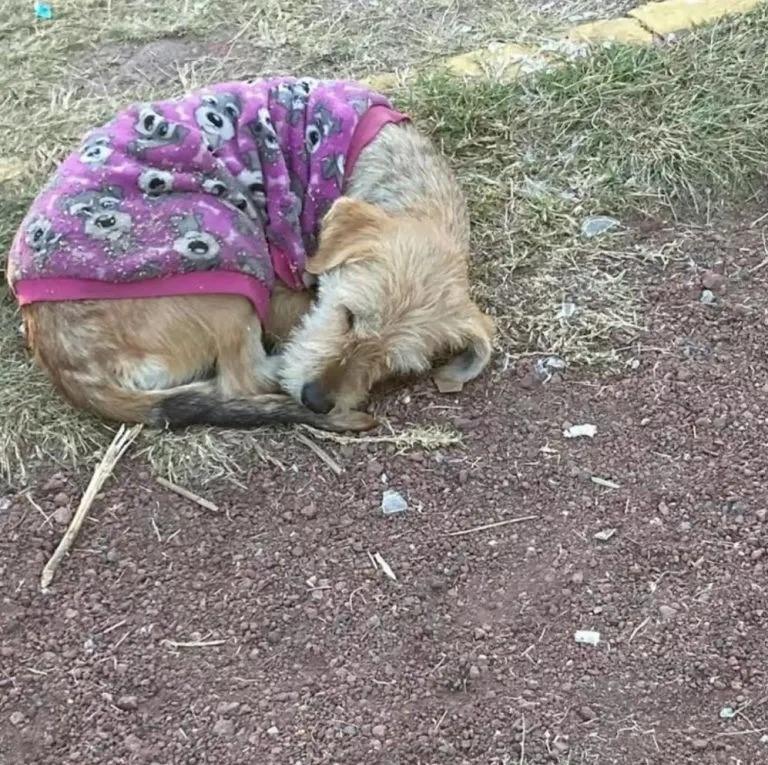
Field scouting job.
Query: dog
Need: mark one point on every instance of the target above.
(181, 236)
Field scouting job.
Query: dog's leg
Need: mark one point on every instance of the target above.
(243, 366)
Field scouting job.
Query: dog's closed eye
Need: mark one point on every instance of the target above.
(349, 318)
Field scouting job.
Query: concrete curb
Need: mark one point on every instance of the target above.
(641, 26)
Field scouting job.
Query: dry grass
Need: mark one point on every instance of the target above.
(623, 131)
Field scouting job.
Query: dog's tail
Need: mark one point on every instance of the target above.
(195, 407)
(200, 403)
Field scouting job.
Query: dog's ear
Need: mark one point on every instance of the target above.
(350, 232)
(476, 344)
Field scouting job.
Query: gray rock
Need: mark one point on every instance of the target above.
(224, 728)
(127, 703)
(596, 225)
(392, 502)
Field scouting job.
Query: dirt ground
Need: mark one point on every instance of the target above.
(263, 633)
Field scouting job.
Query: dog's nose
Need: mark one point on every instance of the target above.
(316, 399)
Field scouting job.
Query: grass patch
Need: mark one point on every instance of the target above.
(624, 132)
(677, 130)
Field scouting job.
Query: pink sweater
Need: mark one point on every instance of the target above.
(216, 192)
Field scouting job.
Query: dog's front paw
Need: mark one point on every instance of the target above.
(351, 420)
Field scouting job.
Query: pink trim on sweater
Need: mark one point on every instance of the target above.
(197, 283)
(367, 129)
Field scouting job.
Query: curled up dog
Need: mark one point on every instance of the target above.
(181, 235)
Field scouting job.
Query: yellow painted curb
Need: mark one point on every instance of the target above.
(677, 15)
(502, 61)
(506, 61)
(628, 31)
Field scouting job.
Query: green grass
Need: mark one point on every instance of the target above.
(674, 130)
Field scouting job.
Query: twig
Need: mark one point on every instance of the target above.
(192, 643)
(46, 518)
(122, 440)
(187, 494)
(431, 437)
(638, 628)
(490, 526)
(385, 567)
(321, 453)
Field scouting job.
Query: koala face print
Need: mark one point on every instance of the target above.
(199, 250)
(214, 186)
(232, 196)
(217, 117)
(252, 181)
(293, 97)
(290, 210)
(96, 150)
(155, 182)
(322, 125)
(333, 168)
(41, 239)
(154, 131)
(100, 211)
(255, 266)
(239, 200)
(264, 132)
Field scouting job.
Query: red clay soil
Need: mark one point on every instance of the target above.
(264, 634)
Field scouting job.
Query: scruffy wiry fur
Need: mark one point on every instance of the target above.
(393, 292)
(393, 288)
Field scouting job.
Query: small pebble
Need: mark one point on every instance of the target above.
(61, 499)
(227, 707)
(392, 502)
(598, 224)
(474, 672)
(667, 613)
(699, 744)
(62, 515)
(17, 718)
(379, 731)
(224, 728)
(127, 703)
(714, 281)
(133, 743)
(586, 713)
(273, 731)
(310, 511)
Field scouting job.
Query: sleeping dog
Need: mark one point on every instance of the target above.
(182, 233)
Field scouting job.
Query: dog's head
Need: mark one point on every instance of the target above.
(393, 294)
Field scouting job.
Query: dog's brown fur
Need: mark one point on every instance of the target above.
(393, 253)
(393, 279)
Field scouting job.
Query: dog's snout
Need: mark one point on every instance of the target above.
(316, 399)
